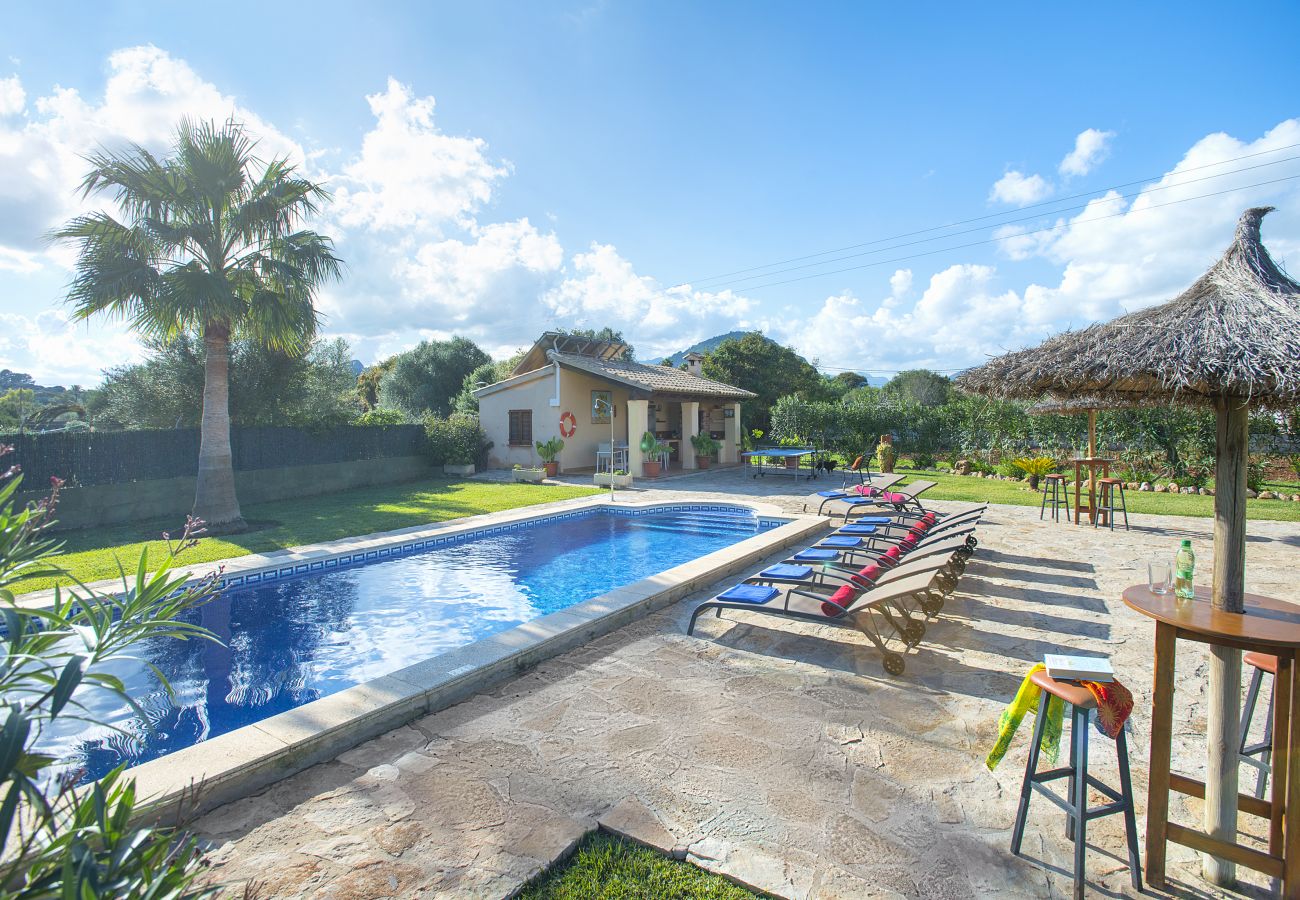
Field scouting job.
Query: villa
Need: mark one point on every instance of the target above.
(590, 393)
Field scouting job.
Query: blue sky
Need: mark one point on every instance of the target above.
(502, 168)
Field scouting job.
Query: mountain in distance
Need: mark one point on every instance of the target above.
(708, 344)
(704, 346)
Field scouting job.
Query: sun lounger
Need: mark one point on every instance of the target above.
(876, 483)
(867, 609)
(901, 500)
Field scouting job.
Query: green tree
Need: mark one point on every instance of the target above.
(16, 404)
(838, 385)
(368, 383)
(607, 334)
(488, 373)
(267, 387)
(759, 364)
(920, 386)
(209, 243)
(426, 379)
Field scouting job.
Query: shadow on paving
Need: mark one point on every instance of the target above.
(989, 611)
(973, 583)
(1018, 574)
(1037, 562)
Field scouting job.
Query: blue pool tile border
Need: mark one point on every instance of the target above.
(356, 558)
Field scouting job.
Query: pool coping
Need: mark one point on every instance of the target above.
(244, 761)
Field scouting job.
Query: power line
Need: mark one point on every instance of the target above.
(953, 234)
(1057, 227)
(1052, 202)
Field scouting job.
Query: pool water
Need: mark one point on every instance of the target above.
(297, 640)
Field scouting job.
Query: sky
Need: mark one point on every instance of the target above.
(681, 170)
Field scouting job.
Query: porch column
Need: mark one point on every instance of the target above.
(638, 411)
(690, 428)
(730, 452)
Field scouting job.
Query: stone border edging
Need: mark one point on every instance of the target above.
(241, 762)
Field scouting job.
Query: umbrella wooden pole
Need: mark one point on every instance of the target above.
(1092, 434)
(1222, 720)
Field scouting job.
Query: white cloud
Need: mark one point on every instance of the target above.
(1020, 189)
(604, 289)
(409, 174)
(1091, 147)
(12, 96)
(56, 351)
(900, 283)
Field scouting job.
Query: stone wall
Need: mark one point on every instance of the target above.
(116, 504)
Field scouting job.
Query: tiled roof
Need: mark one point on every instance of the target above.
(658, 379)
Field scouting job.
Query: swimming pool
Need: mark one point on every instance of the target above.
(314, 629)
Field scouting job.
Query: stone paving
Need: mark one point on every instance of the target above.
(779, 754)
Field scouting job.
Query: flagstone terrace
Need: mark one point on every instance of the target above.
(778, 754)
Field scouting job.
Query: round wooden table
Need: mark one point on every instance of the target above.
(1267, 626)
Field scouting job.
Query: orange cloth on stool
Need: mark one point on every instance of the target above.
(1114, 703)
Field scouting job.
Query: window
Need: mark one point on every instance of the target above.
(602, 403)
(521, 428)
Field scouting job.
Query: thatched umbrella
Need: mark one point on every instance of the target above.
(1230, 341)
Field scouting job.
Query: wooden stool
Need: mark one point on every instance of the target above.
(1076, 809)
(1261, 663)
(1106, 507)
(1060, 497)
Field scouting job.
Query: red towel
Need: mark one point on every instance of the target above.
(1114, 703)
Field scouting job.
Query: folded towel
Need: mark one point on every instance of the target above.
(785, 571)
(1026, 700)
(867, 575)
(812, 554)
(749, 593)
(838, 602)
(842, 541)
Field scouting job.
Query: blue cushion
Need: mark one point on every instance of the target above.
(832, 493)
(857, 528)
(813, 554)
(842, 541)
(748, 593)
(872, 520)
(785, 571)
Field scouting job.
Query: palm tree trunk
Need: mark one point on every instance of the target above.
(214, 498)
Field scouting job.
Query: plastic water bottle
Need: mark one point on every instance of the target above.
(1184, 570)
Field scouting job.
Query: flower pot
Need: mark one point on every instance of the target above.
(651, 469)
(530, 476)
(701, 462)
(552, 468)
(458, 469)
(792, 462)
(603, 479)
(1033, 482)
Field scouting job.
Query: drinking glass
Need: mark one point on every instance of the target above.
(1159, 577)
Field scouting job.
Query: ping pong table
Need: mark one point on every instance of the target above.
(777, 460)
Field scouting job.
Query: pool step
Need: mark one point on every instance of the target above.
(692, 527)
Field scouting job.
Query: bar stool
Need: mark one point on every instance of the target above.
(1059, 497)
(1107, 488)
(1261, 663)
(1076, 809)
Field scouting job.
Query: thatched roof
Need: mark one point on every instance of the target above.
(1234, 333)
(1067, 406)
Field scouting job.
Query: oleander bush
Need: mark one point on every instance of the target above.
(457, 440)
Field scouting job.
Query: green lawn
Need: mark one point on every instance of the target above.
(1017, 493)
(92, 553)
(607, 868)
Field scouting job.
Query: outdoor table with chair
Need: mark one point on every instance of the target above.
(1269, 627)
(790, 461)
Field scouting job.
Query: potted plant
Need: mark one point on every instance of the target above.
(1035, 467)
(458, 466)
(652, 451)
(618, 478)
(549, 452)
(529, 474)
(705, 446)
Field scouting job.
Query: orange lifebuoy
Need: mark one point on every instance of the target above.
(568, 424)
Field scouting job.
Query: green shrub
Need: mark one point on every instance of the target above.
(1035, 465)
(923, 460)
(456, 440)
(1008, 469)
(381, 416)
(886, 457)
(943, 466)
(1256, 472)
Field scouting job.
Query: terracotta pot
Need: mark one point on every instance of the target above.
(552, 468)
(651, 469)
(702, 462)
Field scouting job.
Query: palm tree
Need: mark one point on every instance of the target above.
(206, 245)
